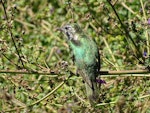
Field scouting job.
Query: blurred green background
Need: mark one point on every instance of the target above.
(34, 26)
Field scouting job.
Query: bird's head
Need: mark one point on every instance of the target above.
(71, 31)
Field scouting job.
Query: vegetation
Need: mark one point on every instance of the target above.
(30, 42)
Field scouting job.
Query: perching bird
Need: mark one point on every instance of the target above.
(87, 58)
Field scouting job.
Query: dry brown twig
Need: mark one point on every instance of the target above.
(102, 73)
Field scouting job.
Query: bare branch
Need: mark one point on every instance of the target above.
(102, 73)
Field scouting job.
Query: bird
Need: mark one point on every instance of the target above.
(86, 58)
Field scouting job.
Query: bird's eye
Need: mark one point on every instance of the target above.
(66, 28)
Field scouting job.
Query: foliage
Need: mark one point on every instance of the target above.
(124, 45)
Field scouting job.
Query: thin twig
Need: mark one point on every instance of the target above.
(28, 72)
(11, 34)
(126, 32)
(38, 101)
(129, 9)
(102, 73)
(9, 60)
(46, 96)
(114, 102)
(146, 31)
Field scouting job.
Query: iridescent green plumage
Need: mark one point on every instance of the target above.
(87, 58)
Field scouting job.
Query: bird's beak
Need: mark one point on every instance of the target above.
(60, 29)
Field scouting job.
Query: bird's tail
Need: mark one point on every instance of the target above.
(92, 91)
(91, 86)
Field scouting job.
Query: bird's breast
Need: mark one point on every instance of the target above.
(85, 53)
(83, 58)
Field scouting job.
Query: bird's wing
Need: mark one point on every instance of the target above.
(97, 55)
(85, 77)
(98, 59)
